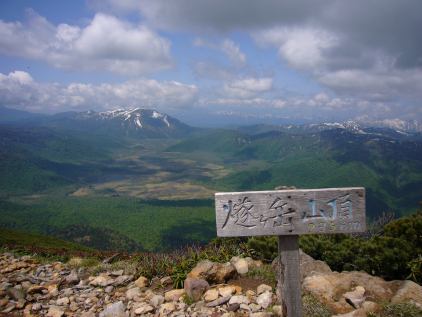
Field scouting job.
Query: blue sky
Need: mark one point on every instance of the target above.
(215, 62)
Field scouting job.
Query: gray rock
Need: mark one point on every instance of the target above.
(72, 278)
(263, 288)
(167, 280)
(156, 300)
(36, 307)
(219, 301)
(265, 299)
(238, 299)
(116, 309)
(122, 280)
(62, 301)
(133, 292)
(195, 288)
(55, 311)
(355, 297)
(102, 280)
(241, 265)
(144, 309)
(16, 293)
(117, 273)
(233, 307)
(142, 282)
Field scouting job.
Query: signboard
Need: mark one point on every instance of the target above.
(290, 212)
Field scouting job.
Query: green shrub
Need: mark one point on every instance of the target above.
(396, 254)
(264, 248)
(312, 307)
(401, 310)
(264, 273)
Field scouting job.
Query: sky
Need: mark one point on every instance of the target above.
(215, 62)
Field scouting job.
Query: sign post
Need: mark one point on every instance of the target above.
(288, 214)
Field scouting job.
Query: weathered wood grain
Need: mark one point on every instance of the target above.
(289, 283)
(290, 212)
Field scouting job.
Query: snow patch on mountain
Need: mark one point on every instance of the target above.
(133, 116)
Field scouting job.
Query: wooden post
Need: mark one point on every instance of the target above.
(289, 276)
(288, 214)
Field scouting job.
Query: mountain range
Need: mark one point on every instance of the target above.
(146, 178)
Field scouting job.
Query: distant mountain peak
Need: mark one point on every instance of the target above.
(134, 121)
(130, 117)
(348, 125)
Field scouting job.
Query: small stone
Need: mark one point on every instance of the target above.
(277, 310)
(370, 307)
(254, 307)
(36, 289)
(211, 295)
(263, 288)
(72, 278)
(156, 300)
(3, 302)
(219, 301)
(9, 309)
(36, 307)
(174, 295)
(117, 273)
(142, 282)
(195, 288)
(116, 309)
(133, 292)
(144, 309)
(229, 314)
(148, 294)
(239, 299)
(355, 297)
(408, 292)
(202, 269)
(251, 295)
(265, 299)
(261, 314)
(241, 266)
(55, 311)
(224, 272)
(354, 313)
(233, 307)
(16, 293)
(62, 301)
(122, 279)
(238, 289)
(244, 307)
(109, 289)
(166, 308)
(227, 290)
(165, 281)
(102, 280)
(53, 290)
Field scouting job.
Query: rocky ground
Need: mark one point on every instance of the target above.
(29, 288)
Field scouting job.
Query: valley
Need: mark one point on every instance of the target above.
(119, 189)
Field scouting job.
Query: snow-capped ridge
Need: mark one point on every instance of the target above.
(135, 116)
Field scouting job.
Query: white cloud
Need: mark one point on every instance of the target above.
(248, 87)
(250, 102)
(227, 47)
(233, 52)
(19, 90)
(375, 83)
(106, 43)
(302, 48)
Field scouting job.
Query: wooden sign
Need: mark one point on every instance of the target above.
(290, 212)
